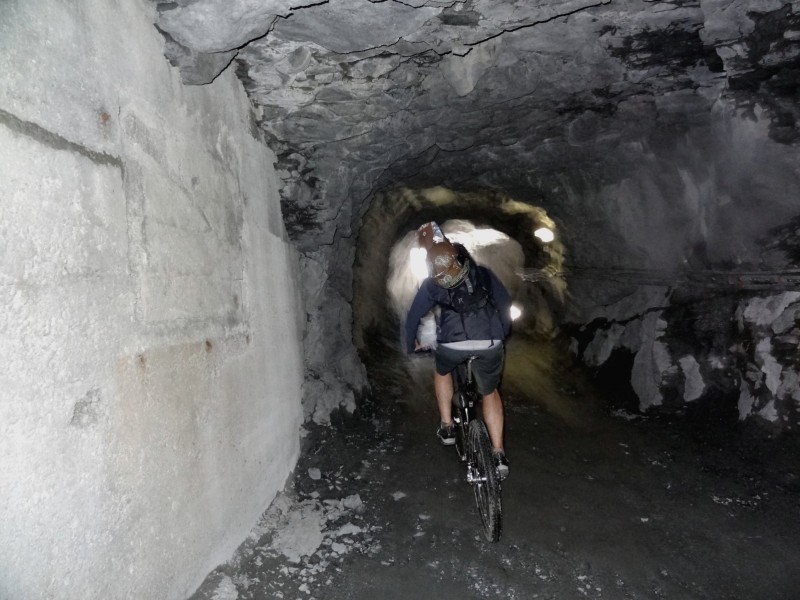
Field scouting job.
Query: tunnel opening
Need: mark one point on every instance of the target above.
(520, 243)
(383, 280)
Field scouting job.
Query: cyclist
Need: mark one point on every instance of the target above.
(474, 320)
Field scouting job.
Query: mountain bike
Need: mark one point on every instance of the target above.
(475, 449)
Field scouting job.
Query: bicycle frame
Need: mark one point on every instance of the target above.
(475, 449)
(465, 403)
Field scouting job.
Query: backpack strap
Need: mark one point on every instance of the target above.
(486, 281)
(471, 289)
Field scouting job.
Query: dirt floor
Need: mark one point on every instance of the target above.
(599, 503)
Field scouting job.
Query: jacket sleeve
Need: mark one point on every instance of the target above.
(422, 304)
(502, 300)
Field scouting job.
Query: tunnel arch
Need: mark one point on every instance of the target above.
(394, 214)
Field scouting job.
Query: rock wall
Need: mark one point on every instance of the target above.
(361, 97)
(151, 344)
(767, 357)
(697, 245)
(334, 375)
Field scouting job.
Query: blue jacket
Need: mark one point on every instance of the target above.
(493, 322)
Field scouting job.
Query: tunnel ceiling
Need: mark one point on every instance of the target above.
(355, 96)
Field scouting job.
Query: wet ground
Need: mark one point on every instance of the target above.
(599, 503)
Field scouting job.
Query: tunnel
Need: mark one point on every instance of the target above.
(208, 210)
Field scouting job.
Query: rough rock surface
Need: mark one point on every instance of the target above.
(659, 135)
(352, 89)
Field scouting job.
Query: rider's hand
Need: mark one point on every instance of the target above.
(419, 347)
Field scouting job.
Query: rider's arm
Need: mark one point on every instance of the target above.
(422, 304)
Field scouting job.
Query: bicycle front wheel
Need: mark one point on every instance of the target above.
(485, 482)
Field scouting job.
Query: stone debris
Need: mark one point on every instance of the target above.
(338, 548)
(302, 534)
(540, 573)
(353, 502)
(487, 588)
(348, 529)
(623, 414)
(226, 590)
(299, 542)
(741, 502)
(587, 588)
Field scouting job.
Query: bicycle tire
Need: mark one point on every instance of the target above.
(486, 484)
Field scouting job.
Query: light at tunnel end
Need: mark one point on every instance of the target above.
(516, 312)
(417, 262)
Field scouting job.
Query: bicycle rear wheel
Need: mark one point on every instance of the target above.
(486, 483)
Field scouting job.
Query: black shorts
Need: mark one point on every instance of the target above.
(487, 368)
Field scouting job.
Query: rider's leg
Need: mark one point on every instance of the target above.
(443, 384)
(493, 417)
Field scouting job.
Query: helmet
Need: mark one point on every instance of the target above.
(447, 267)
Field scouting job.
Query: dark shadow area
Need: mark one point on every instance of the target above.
(613, 381)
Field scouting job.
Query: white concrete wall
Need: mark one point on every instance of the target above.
(150, 344)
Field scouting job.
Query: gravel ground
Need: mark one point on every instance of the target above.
(599, 503)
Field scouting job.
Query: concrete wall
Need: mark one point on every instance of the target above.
(150, 344)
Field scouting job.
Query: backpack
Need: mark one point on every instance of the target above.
(470, 310)
(473, 294)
